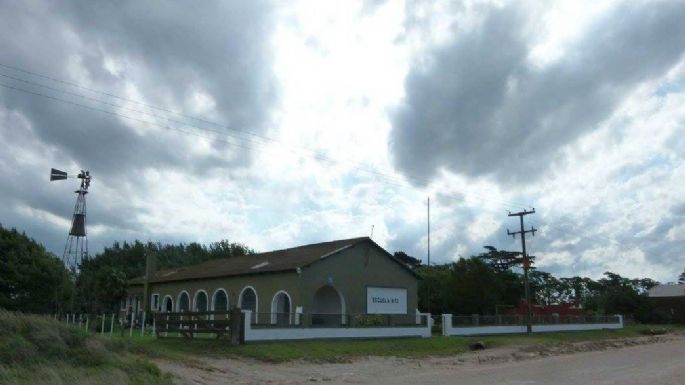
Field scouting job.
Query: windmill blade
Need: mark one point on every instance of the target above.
(57, 174)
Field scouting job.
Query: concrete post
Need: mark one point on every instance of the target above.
(446, 324)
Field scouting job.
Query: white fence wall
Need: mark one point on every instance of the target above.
(303, 333)
(449, 330)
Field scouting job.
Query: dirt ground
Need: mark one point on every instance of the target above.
(657, 360)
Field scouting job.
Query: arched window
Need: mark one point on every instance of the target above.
(248, 301)
(183, 302)
(200, 302)
(167, 305)
(220, 300)
(281, 308)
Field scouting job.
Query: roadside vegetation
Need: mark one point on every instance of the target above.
(38, 350)
(179, 349)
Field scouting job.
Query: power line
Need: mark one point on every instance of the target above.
(245, 131)
(317, 156)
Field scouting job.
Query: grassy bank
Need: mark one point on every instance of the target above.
(36, 350)
(343, 350)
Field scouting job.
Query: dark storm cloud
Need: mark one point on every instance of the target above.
(168, 52)
(478, 107)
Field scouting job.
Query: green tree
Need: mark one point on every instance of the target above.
(407, 259)
(102, 279)
(31, 279)
(476, 287)
(434, 288)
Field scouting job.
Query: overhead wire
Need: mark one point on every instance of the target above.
(318, 156)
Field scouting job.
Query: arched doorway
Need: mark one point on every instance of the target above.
(167, 305)
(328, 307)
(281, 309)
(248, 301)
(200, 301)
(183, 302)
(220, 300)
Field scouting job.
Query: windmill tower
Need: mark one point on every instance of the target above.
(76, 247)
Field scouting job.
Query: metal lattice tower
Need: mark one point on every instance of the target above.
(76, 247)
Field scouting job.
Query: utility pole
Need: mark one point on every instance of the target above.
(429, 232)
(429, 252)
(526, 262)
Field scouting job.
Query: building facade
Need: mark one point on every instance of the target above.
(318, 283)
(668, 302)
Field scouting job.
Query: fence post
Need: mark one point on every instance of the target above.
(87, 319)
(154, 324)
(237, 323)
(298, 316)
(102, 327)
(475, 319)
(111, 326)
(142, 326)
(446, 324)
(130, 334)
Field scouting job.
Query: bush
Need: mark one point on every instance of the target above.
(33, 348)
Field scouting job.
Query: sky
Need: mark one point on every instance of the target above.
(277, 124)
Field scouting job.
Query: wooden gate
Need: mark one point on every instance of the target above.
(193, 324)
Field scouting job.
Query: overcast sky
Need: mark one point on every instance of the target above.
(278, 125)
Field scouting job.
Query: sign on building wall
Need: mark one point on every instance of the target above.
(386, 300)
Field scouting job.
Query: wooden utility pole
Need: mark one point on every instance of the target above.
(526, 263)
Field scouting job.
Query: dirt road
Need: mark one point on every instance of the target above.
(660, 362)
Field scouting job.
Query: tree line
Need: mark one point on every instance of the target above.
(484, 284)
(34, 280)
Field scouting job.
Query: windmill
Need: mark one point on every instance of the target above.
(76, 247)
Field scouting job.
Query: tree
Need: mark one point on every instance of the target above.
(681, 278)
(101, 282)
(406, 259)
(434, 288)
(500, 260)
(31, 279)
(476, 287)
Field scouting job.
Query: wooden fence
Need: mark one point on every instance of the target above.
(192, 324)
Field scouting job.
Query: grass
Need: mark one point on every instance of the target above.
(37, 350)
(34, 349)
(345, 350)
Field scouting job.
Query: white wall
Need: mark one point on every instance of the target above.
(449, 330)
(298, 333)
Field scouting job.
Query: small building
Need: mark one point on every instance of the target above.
(669, 302)
(322, 283)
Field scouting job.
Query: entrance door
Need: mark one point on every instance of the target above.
(328, 307)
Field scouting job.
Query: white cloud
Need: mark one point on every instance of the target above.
(324, 81)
